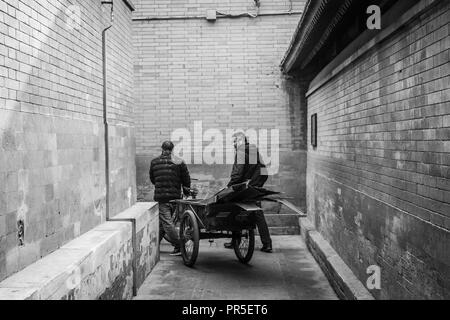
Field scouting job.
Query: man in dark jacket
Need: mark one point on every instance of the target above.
(169, 174)
(247, 167)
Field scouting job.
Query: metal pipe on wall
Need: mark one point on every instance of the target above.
(107, 171)
(105, 123)
(287, 13)
(105, 112)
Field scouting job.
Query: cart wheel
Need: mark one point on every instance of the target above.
(244, 245)
(189, 237)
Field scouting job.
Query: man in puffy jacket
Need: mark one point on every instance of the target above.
(169, 174)
(248, 166)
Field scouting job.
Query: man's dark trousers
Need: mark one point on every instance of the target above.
(166, 225)
(263, 229)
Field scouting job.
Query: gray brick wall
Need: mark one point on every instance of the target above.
(224, 73)
(383, 135)
(51, 126)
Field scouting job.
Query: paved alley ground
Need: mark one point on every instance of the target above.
(289, 273)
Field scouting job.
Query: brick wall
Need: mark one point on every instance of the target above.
(224, 73)
(378, 185)
(51, 125)
(170, 8)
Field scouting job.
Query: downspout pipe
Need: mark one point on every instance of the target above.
(105, 123)
(107, 171)
(105, 111)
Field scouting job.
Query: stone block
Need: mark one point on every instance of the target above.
(146, 219)
(28, 253)
(10, 222)
(11, 181)
(96, 265)
(49, 192)
(2, 226)
(8, 140)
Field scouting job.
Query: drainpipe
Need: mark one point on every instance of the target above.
(107, 172)
(105, 112)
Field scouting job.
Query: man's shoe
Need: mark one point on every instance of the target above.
(228, 245)
(267, 249)
(175, 252)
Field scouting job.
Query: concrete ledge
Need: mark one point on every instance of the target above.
(97, 265)
(341, 277)
(145, 217)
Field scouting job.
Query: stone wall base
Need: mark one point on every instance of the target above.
(344, 282)
(108, 262)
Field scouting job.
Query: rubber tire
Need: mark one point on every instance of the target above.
(251, 246)
(190, 261)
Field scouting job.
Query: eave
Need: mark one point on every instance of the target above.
(317, 23)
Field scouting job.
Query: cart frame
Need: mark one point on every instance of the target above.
(199, 220)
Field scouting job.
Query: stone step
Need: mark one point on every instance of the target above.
(281, 220)
(276, 208)
(281, 231)
(283, 224)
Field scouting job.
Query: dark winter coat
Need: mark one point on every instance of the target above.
(247, 166)
(169, 173)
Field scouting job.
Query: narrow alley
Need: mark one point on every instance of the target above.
(319, 129)
(289, 273)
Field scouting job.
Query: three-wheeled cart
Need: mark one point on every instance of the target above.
(199, 220)
(230, 213)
